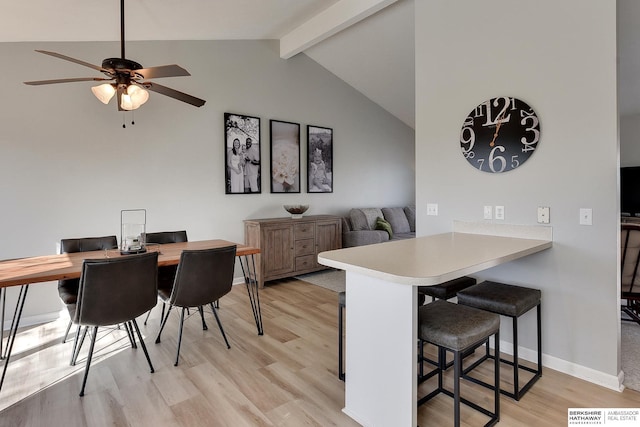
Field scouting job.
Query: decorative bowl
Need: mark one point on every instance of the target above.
(296, 211)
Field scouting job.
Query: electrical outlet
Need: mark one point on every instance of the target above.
(543, 214)
(499, 212)
(432, 209)
(586, 216)
(488, 212)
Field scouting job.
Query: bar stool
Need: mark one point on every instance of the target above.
(511, 301)
(458, 328)
(446, 290)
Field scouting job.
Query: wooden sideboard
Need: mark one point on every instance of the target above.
(289, 247)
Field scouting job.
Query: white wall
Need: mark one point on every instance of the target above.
(67, 167)
(560, 57)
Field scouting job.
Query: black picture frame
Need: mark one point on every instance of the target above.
(285, 157)
(320, 177)
(246, 161)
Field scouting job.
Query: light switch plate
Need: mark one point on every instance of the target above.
(543, 214)
(586, 216)
(499, 212)
(432, 209)
(488, 212)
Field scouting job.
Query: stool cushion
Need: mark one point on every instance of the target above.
(455, 326)
(447, 290)
(342, 298)
(508, 300)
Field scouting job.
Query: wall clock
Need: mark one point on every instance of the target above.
(500, 134)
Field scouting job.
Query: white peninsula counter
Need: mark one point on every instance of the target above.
(381, 284)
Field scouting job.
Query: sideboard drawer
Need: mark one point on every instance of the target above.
(305, 262)
(303, 231)
(305, 247)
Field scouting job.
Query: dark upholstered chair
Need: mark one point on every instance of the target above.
(458, 328)
(630, 277)
(114, 291)
(203, 277)
(510, 301)
(167, 273)
(68, 288)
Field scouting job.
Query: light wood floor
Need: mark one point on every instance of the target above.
(285, 378)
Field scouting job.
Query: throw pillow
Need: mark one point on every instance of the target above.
(398, 219)
(381, 224)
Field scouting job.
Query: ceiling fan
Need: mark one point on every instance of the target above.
(128, 79)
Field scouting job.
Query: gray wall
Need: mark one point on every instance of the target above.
(68, 167)
(629, 142)
(560, 57)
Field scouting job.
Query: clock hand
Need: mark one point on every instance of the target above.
(498, 124)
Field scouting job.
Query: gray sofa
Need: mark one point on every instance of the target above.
(359, 227)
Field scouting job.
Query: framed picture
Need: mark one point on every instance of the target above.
(319, 159)
(242, 154)
(285, 157)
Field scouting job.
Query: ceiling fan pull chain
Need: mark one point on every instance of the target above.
(123, 119)
(132, 118)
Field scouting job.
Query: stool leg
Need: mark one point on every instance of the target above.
(340, 342)
(516, 364)
(496, 379)
(457, 372)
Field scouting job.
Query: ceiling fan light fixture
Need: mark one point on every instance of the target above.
(138, 95)
(104, 92)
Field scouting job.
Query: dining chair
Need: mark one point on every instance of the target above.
(115, 291)
(68, 288)
(203, 277)
(629, 277)
(166, 274)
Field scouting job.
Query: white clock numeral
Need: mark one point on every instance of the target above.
(502, 116)
(493, 159)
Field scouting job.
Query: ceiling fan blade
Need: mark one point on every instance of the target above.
(68, 58)
(180, 96)
(162, 71)
(78, 79)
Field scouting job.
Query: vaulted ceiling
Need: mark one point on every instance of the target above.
(367, 43)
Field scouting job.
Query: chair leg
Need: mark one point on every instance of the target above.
(204, 324)
(215, 313)
(77, 344)
(142, 344)
(180, 335)
(164, 321)
(132, 338)
(66, 333)
(86, 369)
(147, 318)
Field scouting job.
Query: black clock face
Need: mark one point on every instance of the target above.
(500, 134)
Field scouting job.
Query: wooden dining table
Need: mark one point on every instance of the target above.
(23, 272)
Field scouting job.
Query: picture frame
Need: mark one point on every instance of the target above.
(285, 156)
(320, 177)
(243, 173)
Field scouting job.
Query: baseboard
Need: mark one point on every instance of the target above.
(36, 320)
(613, 382)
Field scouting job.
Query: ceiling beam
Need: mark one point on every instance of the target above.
(336, 18)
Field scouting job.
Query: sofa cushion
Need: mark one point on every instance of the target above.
(382, 224)
(410, 212)
(397, 219)
(364, 219)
